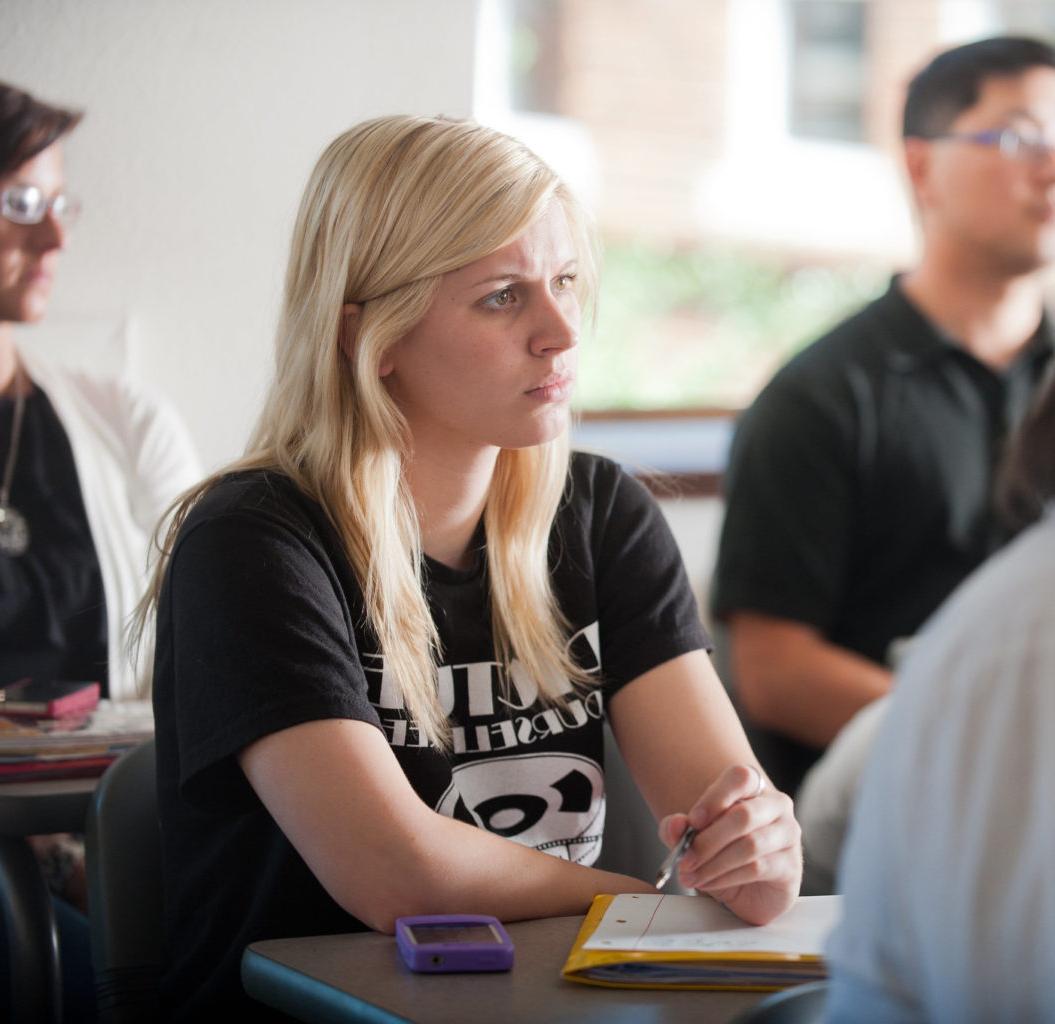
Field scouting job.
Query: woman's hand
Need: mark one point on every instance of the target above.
(748, 853)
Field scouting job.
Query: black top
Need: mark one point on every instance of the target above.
(860, 483)
(52, 607)
(261, 627)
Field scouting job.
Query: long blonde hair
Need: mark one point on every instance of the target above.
(391, 205)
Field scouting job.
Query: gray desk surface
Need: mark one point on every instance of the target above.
(361, 978)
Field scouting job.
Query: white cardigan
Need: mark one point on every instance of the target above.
(133, 456)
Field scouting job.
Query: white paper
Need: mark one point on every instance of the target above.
(699, 924)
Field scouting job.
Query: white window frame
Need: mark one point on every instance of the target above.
(565, 144)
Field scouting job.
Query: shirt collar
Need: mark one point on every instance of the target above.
(918, 341)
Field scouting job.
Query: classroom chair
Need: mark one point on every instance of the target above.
(802, 1004)
(123, 855)
(30, 990)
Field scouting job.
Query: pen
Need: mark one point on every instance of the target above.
(666, 869)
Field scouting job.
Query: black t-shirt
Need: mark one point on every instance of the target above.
(52, 607)
(261, 627)
(860, 484)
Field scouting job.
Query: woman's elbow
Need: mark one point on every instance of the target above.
(384, 921)
(378, 911)
(379, 898)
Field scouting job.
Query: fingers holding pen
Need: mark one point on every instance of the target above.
(747, 851)
(735, 784)
(741, 840)
(671, 829)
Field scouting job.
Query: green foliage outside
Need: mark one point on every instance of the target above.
(706, 328)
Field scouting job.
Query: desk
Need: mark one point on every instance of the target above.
(361, 978)
(26, 809)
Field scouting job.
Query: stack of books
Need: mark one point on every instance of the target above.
(80, 741)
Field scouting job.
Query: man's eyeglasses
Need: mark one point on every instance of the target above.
(27, 204)
(1014, 143)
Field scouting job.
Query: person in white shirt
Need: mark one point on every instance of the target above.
(949, 891)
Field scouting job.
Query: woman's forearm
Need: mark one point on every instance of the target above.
(458, 868)
(381, 852)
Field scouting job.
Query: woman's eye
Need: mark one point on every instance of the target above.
(501, 299)
(564, 282)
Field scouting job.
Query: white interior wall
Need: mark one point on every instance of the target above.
(696, 524)
(203, 120)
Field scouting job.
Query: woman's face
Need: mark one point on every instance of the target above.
(492, 363)
(29, 252)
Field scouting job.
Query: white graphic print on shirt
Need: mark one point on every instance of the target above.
(551, 798)
(554, 802)
(482, 715)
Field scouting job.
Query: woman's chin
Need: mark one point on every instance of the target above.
(30, 311)
(540, 433)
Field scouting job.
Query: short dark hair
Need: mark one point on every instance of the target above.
(28, 126)
(951, 82)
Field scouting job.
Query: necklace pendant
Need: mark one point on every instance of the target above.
(14, 533)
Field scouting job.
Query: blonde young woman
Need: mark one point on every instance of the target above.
(387, 636)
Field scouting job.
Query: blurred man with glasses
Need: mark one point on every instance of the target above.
(860, 482)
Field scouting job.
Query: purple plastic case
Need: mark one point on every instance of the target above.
(443, 943)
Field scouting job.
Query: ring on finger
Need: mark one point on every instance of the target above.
(761, 783)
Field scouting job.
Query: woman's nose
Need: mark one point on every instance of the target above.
(50, 233)
(556, 331)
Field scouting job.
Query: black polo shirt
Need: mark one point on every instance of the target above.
(860, 483)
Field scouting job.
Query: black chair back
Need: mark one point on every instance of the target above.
(123, 843)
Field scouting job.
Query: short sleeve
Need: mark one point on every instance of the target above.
(647, 613)
(789, 488)
(260, 639)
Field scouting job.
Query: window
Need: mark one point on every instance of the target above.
(1030, 17)
(742, 161)
(535, 56)
(705, 326)
(828, 69)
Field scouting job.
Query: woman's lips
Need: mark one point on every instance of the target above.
(556, 388)
(39, 276)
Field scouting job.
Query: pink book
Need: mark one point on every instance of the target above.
(48, 699)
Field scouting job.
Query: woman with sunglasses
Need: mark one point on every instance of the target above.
(388, 635)
(87, 465)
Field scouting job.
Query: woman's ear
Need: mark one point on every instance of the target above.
(348, 329)
(348, 332)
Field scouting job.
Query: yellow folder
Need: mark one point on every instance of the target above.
(691, 942)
